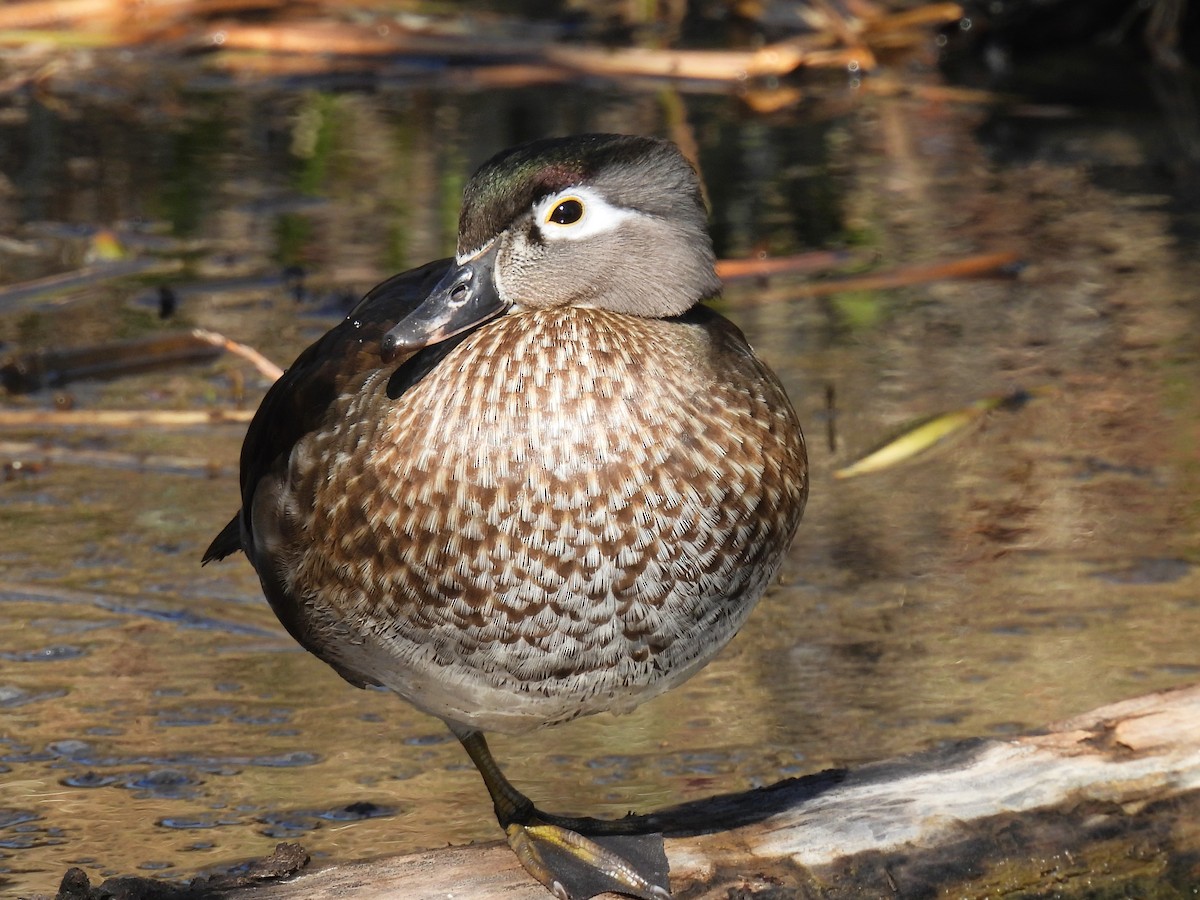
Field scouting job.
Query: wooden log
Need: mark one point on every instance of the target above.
(1105, 804)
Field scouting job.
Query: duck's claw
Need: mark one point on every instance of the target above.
(574, 867)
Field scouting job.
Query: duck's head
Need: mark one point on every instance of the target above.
(608, 221)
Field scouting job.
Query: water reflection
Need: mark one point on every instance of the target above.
(156, 716)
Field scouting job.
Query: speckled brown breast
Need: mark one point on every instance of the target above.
(571, 513)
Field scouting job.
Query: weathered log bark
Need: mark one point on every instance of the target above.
(1105, 804)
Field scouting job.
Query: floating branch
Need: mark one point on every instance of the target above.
(26, 372)
(766, 266)
(323, 36)
(701, 65)
(121, 418)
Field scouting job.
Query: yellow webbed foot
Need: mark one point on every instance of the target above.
(574, 867)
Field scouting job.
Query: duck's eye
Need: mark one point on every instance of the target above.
(567, 212)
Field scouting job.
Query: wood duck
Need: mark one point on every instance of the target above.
(534, 482)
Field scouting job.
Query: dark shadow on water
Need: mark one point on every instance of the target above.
(725, 812)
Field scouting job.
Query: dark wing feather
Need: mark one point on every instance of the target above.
(298, 402)
(228, 542)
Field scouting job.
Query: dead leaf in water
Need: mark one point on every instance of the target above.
(927, 433)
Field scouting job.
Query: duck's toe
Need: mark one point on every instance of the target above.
(574, 867)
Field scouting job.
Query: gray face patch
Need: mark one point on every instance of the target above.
(631, 238)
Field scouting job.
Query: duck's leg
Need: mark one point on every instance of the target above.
(572, 867)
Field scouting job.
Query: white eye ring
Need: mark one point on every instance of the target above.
(596, 215)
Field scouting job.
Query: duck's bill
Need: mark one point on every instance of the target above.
(465, 297)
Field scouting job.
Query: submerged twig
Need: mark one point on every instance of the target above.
(267, 368)
(51, 289)
(984, 264)
(848, 34)
(906, 276)
(24, 454)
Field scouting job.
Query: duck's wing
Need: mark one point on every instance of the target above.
(299, 401)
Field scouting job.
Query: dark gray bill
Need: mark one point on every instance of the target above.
(465, 297)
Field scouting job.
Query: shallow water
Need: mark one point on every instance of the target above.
(157, 718)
